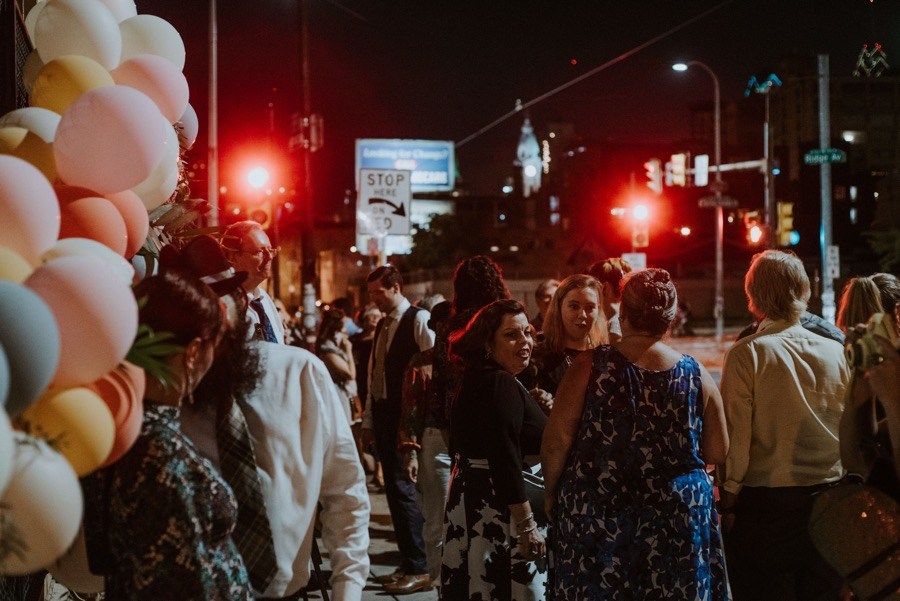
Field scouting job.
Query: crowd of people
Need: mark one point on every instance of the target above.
(570, 455)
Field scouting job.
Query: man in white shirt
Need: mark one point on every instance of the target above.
(783, 389)
(248, 248)
(401, 333)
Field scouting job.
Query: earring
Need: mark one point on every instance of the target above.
(188, 390)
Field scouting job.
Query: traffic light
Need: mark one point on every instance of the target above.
(640, 236)
(786, 234)
(679, 169)
(654, 175)
(261, 213)
(755, 230)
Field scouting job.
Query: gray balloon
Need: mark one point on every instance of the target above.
(30, 339)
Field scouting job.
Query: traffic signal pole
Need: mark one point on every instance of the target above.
(308, 266)
(828, 308)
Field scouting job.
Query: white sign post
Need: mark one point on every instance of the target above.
(637, 261)
(382, 206)
(833, 263)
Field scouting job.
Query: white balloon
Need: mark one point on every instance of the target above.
(147, 34)
(31, 19)
(7, 450)
(39, 121)
(188, 128)
(121, 9)
(43, 506)
(144, 267)
(81, 247)
(163, 180)
(84, 27)
(31, 69)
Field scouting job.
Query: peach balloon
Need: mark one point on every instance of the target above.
(109, 140)
(137, 222)
(159, 79)
(82, 27)
(126, 405)
(64, 79)
(28, 209)
(83, 247)
(96, 313)
(42, 506)
(97, 219)
(21, 143)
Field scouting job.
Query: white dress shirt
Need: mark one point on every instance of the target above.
(783, 389)
(306, 455)
(270, 310)
(424, 339)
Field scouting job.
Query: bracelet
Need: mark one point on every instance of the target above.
(529, 529)
(409, 445)
(530, 516)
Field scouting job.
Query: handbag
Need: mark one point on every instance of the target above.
(535, 493)
(856, 529)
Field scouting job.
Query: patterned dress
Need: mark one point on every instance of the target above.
(635, 512)
(170, 520)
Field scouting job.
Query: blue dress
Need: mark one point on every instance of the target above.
(635, 513)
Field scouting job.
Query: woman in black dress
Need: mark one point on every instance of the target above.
(493, 547)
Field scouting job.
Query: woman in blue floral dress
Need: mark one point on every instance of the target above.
(625, 452)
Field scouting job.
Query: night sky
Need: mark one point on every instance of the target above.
(443, 70)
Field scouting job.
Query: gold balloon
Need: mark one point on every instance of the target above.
(28, 146)
(76, 423)
(13, 268)
(64, 79)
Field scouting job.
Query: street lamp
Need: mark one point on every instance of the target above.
(719, 309)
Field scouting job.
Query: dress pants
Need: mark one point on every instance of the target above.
(434, 480)
(769, 552)
(400, 492)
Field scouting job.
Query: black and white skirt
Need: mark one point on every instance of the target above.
(480, 559)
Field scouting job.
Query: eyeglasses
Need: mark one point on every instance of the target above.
(259, 252)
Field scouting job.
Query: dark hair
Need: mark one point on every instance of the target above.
(889, 288)
(182, 305)
(439, 314)
(469, 343)
(477, 281)
(344, 304)
(234, 234)
(387, 275)
(610, 271)
(332, 323)
(649, 300)
(236, 370)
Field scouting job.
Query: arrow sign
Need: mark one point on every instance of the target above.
(398, 210)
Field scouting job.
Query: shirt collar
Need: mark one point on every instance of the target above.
(256, 293)
(772, 324)
(397, 313)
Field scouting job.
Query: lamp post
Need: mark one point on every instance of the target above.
(719, 308)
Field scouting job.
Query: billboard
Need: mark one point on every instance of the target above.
(432, 162)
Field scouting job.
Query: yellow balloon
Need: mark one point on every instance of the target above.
(64, 79)
(13, 268)
(28, 146)
(76, 423)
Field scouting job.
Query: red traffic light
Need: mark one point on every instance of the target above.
(257, 177)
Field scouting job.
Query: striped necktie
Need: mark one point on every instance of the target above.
(267, 332)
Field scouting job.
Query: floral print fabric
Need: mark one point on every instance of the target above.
(635, 514)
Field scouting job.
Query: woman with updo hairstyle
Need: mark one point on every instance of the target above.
(168, 523)
(624, 456)
(334, 348)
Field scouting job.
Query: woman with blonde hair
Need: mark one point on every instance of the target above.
(575, 322)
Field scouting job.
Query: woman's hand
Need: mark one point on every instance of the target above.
(532, 545)
(543, 398)
(412, 466)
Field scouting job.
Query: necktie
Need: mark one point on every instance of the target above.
(252, 533)
(265, 326)
(378, 385)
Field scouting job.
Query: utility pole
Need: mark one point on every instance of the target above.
(212, 160)
(308, 268)
(825, 239)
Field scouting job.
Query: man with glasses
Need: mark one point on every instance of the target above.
(248, 249)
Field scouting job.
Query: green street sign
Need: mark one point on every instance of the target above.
(828, 155)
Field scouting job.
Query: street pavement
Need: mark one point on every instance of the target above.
(383, 546)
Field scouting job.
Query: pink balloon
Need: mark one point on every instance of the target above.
(122, 391)
(29, 213)
(97, 219)
(96, 313)
(109, 140)
(159, 79)
(137, 222)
